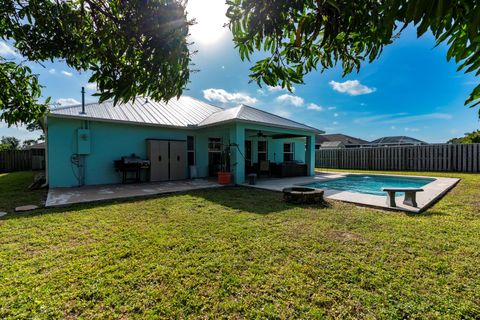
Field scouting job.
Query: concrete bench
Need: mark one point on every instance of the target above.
(410, 196)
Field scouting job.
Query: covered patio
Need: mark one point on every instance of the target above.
(271, 151)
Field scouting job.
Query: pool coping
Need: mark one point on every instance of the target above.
(433, 191)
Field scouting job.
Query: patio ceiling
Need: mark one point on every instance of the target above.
(270, 134)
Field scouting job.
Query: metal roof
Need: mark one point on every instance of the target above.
(249, 114)
(182, 112)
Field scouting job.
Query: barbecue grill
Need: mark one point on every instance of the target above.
(131, 164)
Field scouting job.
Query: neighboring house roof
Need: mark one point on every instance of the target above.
(331, 144)
(40, 145)
(397, 140)
(338, 137)
(182, 112)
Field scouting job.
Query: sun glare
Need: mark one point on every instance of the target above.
(210, 18)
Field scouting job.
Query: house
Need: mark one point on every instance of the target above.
(337, 141)
(396, 141)
(36, 146)
(83, 143)
(37, 151)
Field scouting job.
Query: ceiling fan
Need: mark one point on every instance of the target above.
(260, 134)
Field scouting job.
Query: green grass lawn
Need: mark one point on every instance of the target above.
(243, 253)
(14, 193)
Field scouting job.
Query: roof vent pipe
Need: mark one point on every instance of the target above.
(83, 101)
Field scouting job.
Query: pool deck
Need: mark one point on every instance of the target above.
(433, 191)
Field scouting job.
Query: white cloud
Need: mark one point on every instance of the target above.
(283, 113)
(351, 87)
(67, 102)
(278, 89)
(335, 114)
(313, 106)
(52, 71)
(393, 127)
(420, 117)
(91, 86)
(66, 73)
(223, 96)
(370, 119)
(334, 123)
(412, 129)
(261, 92)
(332, 108)
(291, 99)
(396, 118)
(6, 50)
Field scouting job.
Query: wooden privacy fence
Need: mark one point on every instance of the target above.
(19, 160)
(437, 157)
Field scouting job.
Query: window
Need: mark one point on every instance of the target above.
(214, 145)
(262, 151)
(191, 150)
(214, 156)
(288, 154)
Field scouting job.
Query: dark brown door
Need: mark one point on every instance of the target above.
(178, 160)
(158, 156)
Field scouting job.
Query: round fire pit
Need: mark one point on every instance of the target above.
(303, 195)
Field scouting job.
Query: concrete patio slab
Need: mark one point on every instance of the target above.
(67, 196)
(433, 191)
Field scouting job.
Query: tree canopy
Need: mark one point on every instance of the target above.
(139, 47)
(131, 48)
(469, 137)
(304, 35)
(9, 143)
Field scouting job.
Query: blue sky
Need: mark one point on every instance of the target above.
(411, 90)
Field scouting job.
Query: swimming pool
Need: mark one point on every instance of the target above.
(370, 184)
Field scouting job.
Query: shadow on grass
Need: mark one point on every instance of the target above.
(238, 198)
(253, 200)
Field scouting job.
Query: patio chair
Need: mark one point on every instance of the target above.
(264, 167)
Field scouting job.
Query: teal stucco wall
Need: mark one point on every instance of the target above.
(110, 141)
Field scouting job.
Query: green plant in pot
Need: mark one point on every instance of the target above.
(224, 175)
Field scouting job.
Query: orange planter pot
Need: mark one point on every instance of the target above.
(224, 177)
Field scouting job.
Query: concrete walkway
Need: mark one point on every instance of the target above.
(67, 196)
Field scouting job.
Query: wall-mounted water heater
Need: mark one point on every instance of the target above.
(83, 141)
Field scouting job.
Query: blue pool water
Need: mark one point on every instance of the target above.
(370, 184)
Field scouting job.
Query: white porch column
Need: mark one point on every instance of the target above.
(237, 161)
(310, 154)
